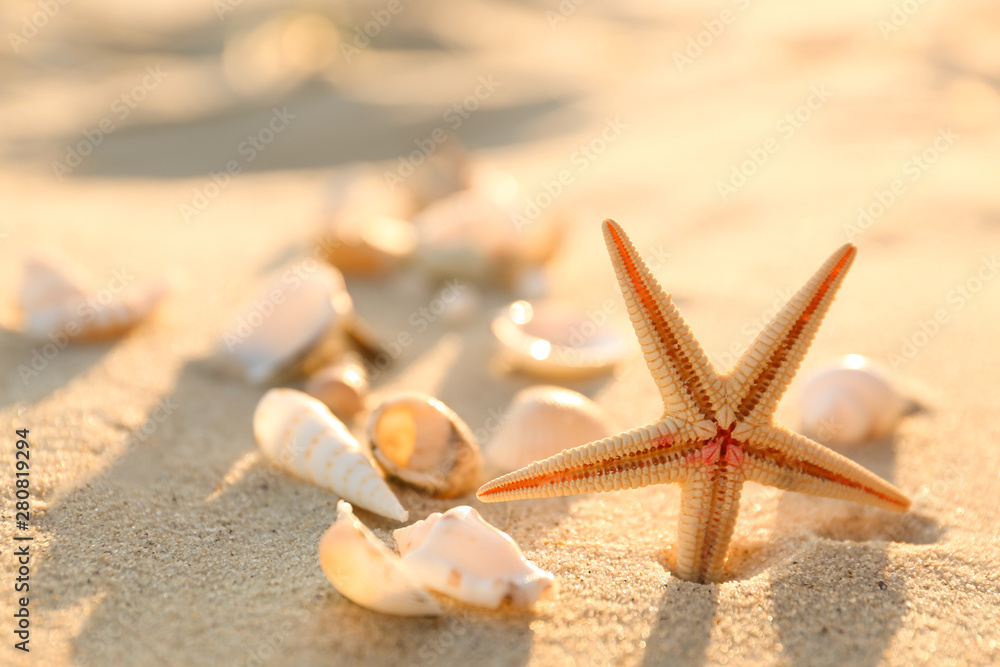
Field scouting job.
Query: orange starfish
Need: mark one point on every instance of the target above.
(717, 431)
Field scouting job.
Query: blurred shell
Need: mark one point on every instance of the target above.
(364, 571)
(368, 244)
(553, 341)
(459, 554)
(56, 297)
(298, 433)
(446, 171)
(301, 319)
(342, 387)
(850, 401)
(543, 421)
(421, 441)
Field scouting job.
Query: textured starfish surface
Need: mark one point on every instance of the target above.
(717, 430)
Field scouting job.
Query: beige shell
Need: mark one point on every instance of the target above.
(852, 400)
(553, 341)
(341, 386)
(367, 244)
(57, 298)
(461, 555)
(298, 433)
(364, 571)
(300, 319)
(543, 421)
(418, 439)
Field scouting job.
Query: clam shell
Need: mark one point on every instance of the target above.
(298, 433)
(553, 341)
(56, 297)
(418, 439)
(342, 387)
(851, 400)
(364, 571)
(297, 321)
(543, 421)
(461, 555)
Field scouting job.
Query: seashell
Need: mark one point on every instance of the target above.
(852, 400)
(300, 320)
(461, 555)
(298, 433)
(364, 571)
(446, 171)
(342, 387)
(368, 244)
(418, 439)
(553, 341)
(543, 421)
(56, 297)
(469, 234)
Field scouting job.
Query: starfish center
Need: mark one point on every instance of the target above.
(722, 450)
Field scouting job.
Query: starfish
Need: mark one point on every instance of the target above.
(717, 430)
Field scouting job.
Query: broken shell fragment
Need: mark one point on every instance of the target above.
(342, 387)
(420, 440)
(301, 319)
(851, 400)
(364, 571)
(298, 433)
(57, 296)
(543, 421)
(461, 555)
(554, 341)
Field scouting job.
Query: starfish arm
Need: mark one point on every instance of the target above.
(785, 460)
(709, 507)
(688, 383)
(765, 370)
(651, 454)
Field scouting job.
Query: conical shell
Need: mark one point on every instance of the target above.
(364, 571)
(543, 421)
(461, 555)
(296, 321)
(298, 433)
(342, 387)
(57, 298)
(421, 441)
(851, 400)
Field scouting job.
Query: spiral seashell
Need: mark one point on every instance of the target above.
(418, 439)
(461, 555)
(851, 400)
(543, 421)
(298, 433)
(56, 297)
(553, 341)
(342, 387)
(364, 571)
(300, 320)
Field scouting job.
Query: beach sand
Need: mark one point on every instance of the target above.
(160, 537)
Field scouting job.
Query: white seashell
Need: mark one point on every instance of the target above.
(543, 421)
(421, 441)
(298, 320)
(364, 571)
(342, 387)
(368, 244)
(461, 555)
(57, 298)
(554, 341)
(850, 401)
(297, 432)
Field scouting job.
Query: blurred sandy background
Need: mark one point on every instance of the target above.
(161, 540)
